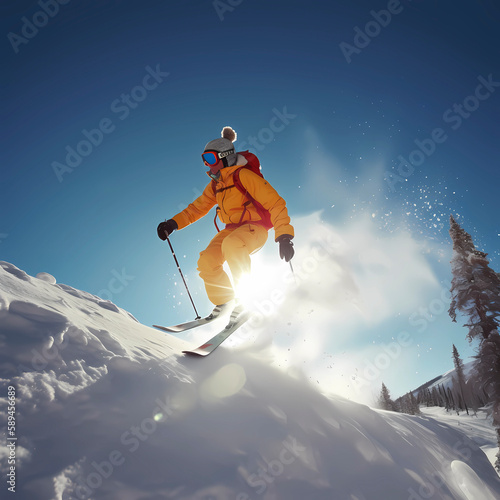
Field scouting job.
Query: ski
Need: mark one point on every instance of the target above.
(210, 346)
(182, 327)
(217, 313)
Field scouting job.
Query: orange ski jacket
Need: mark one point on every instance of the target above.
(232, 204)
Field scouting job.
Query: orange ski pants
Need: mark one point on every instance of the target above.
(233, 246)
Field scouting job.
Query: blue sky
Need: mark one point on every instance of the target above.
(330, 109)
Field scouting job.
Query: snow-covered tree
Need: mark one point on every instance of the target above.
(488, 371)
(426, 397)
(409, 404)
(475, 288)
(451, 399)
(435, 397)
(444, 397)
(459, 382)
(384, 401)
(475, 292)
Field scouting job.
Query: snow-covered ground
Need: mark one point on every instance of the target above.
(477, 427)
(107, 408)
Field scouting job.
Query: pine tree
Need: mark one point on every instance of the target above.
(435, 397)
(384, 401)
(444, 397)
(415, 408)
(459, 370)
(403, 403)
(488, 370)
(475, 288)
(451, 399)
(475, 292)
(409, 404)
(428, 398)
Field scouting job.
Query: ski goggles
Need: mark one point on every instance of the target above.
(212, 157)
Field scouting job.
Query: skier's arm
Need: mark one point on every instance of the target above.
(269, 198)
(196, 210)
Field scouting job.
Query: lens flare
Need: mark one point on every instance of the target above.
(226, 382)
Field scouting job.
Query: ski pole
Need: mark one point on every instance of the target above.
(182, 275)
(293, 272)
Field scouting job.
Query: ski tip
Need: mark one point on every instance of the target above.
(195, 353)
(165, 329)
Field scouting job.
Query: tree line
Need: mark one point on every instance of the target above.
(475, 294)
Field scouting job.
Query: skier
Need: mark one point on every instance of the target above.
(245, 229)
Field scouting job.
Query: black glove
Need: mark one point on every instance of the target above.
(166, 226)
(286, 247)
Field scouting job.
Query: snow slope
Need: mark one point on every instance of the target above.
(478, 427)
(107, 408)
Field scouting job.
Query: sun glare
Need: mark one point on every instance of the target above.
(260, 284)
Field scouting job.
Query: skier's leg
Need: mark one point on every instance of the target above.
(239, 245)
(217, 282)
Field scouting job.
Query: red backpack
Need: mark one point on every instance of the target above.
(252, 164)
